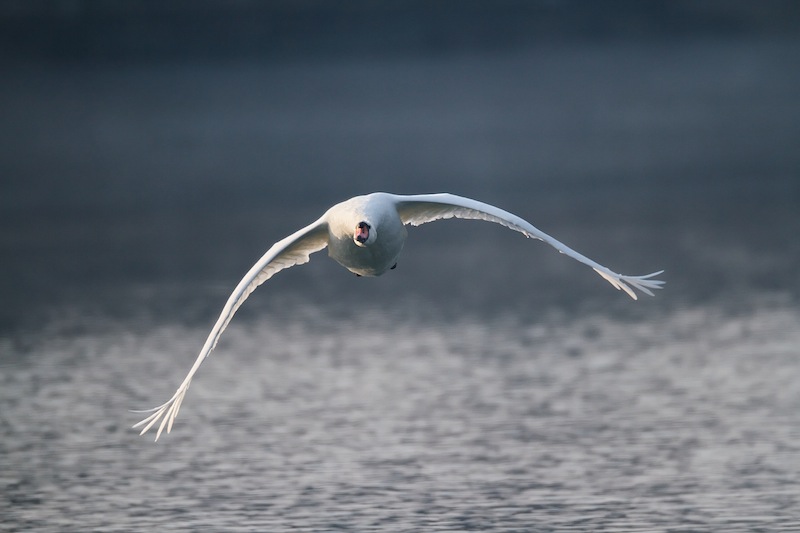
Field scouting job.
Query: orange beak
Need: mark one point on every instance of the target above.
(362, 232)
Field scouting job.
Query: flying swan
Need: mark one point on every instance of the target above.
(365, 235)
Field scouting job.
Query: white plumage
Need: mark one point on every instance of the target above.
(366, 234)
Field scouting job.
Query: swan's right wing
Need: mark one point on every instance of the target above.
(293, 250)
(423, 208)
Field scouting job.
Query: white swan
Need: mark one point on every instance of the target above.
(365, 235)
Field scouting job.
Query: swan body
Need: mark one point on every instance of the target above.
(385, 237)
(366, 234)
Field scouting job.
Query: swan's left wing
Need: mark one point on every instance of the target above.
(293, 250)
(422, 208)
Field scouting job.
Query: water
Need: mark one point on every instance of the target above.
(682, 420)
(486, 384)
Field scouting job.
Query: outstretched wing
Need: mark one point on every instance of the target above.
(293, 250)
(422, 208)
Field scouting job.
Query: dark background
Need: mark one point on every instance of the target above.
(204, 30)
(146, 146)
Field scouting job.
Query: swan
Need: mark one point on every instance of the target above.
(365, 234)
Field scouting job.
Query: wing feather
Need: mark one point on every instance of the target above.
(295, 249)
(423, 208)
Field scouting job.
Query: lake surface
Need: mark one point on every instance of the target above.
(488, 383)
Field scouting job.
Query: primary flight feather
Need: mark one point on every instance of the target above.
(365, 235)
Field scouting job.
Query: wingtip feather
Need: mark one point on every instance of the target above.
(642, 283)
(165, 413)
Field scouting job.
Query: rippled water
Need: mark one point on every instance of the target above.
(675, 421)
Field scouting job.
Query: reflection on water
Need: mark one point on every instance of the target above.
(303, 422)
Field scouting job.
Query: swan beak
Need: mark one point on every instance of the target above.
(362, 232)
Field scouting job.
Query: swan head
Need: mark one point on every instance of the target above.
(364, 234)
